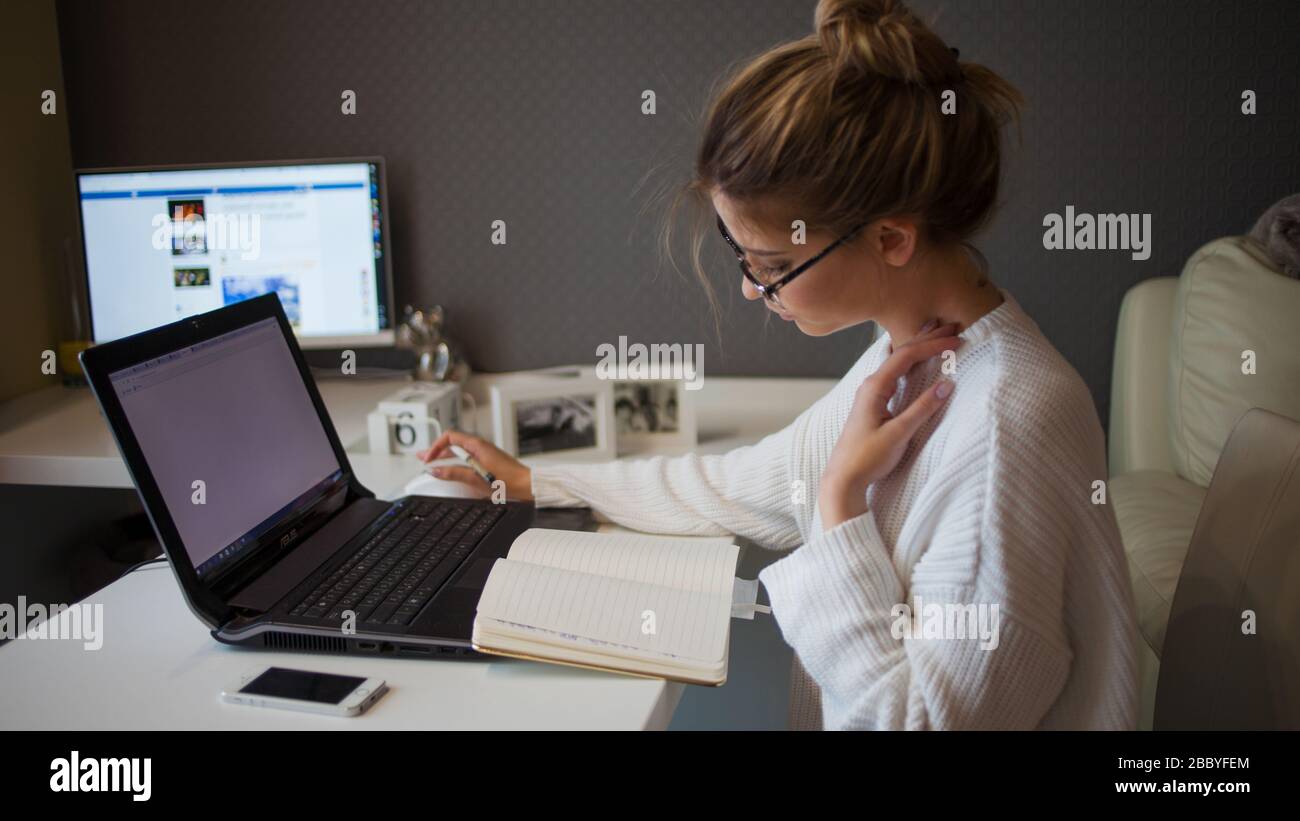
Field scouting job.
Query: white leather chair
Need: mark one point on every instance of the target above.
(1192, 355)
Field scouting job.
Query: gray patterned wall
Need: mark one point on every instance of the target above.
(530, 112)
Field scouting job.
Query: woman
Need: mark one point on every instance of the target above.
(953, 466)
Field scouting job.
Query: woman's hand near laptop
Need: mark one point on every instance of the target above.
(873, 441)
(503, 466)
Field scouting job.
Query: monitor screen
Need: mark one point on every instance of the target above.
(231, 437)
(162, 245)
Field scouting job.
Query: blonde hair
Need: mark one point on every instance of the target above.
(845, 127)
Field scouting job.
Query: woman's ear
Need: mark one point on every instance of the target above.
(894, 240)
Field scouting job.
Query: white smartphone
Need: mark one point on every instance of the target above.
(306, 691)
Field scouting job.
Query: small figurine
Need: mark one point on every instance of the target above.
(439, 357)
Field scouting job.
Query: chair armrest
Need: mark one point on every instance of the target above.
(1242, 559)
(1139, 401)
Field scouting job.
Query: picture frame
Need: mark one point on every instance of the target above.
(653, 415)
(552, 420)
(641, 407)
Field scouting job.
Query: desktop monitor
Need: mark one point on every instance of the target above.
(165, 243)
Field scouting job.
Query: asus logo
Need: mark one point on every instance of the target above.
(288, 538)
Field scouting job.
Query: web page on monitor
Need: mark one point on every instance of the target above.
(164, 245)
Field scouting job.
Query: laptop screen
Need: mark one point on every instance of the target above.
(231, 436)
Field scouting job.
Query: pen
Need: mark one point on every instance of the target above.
(484, 473)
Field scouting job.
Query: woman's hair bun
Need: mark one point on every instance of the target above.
(883, 38)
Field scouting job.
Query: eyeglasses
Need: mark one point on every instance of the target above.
(769, 290)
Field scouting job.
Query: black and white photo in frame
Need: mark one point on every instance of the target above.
(554, 420)
(650, 415)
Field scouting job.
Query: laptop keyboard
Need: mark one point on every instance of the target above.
(394, 574)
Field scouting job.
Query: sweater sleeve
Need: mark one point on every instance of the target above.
(746, 492)
(835, 600)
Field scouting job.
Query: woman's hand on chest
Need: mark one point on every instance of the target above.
(873, 440)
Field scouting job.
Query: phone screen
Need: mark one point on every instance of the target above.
(322, 688)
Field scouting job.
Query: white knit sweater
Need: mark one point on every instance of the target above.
(992, 504)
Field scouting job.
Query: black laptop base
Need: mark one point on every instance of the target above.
(407, 585)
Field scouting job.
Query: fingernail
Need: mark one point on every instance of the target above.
(437, 472)
(930, 326)
(943, 388)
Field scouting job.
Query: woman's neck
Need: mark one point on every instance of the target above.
(951, 288)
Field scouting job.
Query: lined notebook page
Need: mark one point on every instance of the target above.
(696, 565)
(690, 625)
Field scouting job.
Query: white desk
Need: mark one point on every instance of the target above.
(159, 668)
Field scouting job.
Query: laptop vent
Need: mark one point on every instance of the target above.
(294, 641)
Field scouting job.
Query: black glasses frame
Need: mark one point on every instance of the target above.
(769, 292)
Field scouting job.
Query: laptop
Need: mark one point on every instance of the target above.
(273, 540)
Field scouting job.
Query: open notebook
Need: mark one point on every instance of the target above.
(647, 605)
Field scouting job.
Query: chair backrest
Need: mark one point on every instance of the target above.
(1231, 657)
(1235, 345)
